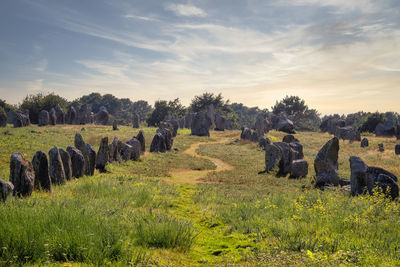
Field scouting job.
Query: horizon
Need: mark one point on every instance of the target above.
(339, 56)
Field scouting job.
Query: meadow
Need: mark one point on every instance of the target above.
(210, 207)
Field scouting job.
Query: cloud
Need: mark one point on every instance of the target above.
(186, 10)
(132, 16)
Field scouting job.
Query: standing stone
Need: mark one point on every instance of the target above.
(142, 141)
(92, 158)
(359, 177)
(188, 120)
(136, 120)
(81, 145)
(272, 156)
(380, 147)
(386, 129)
(364, 142)
(60, 114)
(135, 152)
(260, 125)
(246, 134)
(52, 117)
(110, 153)
(174, 128)
(289, 139)
(44, 118)
(326, 164)
(66, 159)
(220, 122)
(56, 169)
(158, 143)
(22, 175)
(103, 155)
(77, 161)
(181, 123)
(40, 165)
(18, 118)
(102, 116)
(72, 115)
(6, 188)
(384, 179)
(169, 141)
(211, 115)
(285, 125)
(82, 114)
(117, 146)
(126, 152)
(348, 133)
(115, 125)
(299, 168)
(397, 149)
(285, 162)
(263, 142)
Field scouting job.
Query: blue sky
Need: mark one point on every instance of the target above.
(339, 55)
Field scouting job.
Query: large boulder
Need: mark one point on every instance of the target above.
(298, 169)
(126, 152)
(246, 134)
(136, 120)
(115, 125)
(201, 124)
(348, 133)
(272, 156)
(263, 142)
(92, 158)
(72, 115)
(6, 188)
(140, 137)
(40, 166)
(77, 162)
(285, 125)
(326, 164)
(158, 143)
(289, 139)
(83, 114)
(386, 129)
(397, 149)
(261, 125)
(102, 116)
(359, 177)
(22, 175)
(56, 169)
(81, 145)
(18, 118)
(174, 128)
(288, 155)
(60, 114)
(169, 141)
(66, 159)
(103, 155)
(44, 118)
(220, 122)
(364, 142)
(52, 117)
(116, 149)
(135, 152)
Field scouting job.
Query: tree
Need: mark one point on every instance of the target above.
(201, 103)
(371, 121)
(142, 108)
(290, 105)
(36, 103)
(162, 108)
(7, 107)
(246, 116)
(3, 117)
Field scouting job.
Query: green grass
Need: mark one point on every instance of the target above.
(134, 215)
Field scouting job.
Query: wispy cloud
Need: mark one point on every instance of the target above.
(186, 10)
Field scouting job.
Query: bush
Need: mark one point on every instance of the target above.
(3, 117)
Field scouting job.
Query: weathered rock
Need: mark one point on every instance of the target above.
(110, 153)
(66, 159)
(246, 134)
(6, 188)
(380, 147)
(211, 115)
(364, 142)
(81, 145)
(92, 158)
(220, 122)
(348, 133)
(56, 168)
(126, 152)
(386, 129)
(384, 179)
(117, 147)
(158, 143)
(60, 114)
(289, 139)
(136, 150)
(359, 177)
(136, 120)
(261, 126)
(288, 155)
(18, 118)
(326, 164)
(299, 168)
(263, 142)
(77, 160)
(298, 148)
(201, 124)
(40, 166)
(21, 175)
(83, 114)
(102, 116)
(285, 125)
(397, 149)
(72, 115)
(52, 117)
(103, 155)
(142, 141)
(115, 125)
(169, 141)
(188, 120)
(272, 156)
(181, 123)
(175, 127)
(44, 118)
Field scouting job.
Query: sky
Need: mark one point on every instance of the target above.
(340, 56)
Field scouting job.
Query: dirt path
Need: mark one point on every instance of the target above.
(188, 176)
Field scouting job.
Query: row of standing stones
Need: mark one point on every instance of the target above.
(63, 165)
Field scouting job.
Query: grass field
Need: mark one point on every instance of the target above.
(209, 207)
